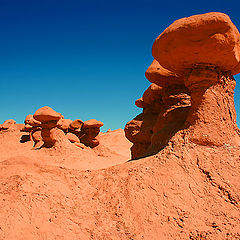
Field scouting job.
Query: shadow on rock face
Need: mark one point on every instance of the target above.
(25, 138)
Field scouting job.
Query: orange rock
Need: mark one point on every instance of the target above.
(90, 130)
(36, 137)
(209, 38)
(212, 118)
(72, 138)
(92, 123)
(153, 93)
(64, 124)
(76, 124)
(161, 76)
(29, 120)
(8, 124)
(140, 103)
(46, 114)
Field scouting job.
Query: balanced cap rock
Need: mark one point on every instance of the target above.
(46, 114)
(90, 130)
(209, 38)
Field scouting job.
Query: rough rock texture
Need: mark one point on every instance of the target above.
(161, 76)
(212, 119)
(209, 38)
(9, 124)
(49, 131)
(76, 125)
(188, 190)
(72, 138)
(164, 113)
(46, 114)
(90, 130)
(64, 124)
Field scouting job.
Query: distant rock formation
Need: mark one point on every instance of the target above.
(90, 130)
(192, 86)
(48, 128)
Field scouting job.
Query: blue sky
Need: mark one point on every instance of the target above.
(85, 59)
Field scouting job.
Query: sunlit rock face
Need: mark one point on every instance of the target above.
(192, 86)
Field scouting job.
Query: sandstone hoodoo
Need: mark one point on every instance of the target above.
(90, 130)
(199, 54)
(186, 182)
(206, 53)
(49, 119)
(209, 38)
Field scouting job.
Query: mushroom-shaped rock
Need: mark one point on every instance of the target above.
(161, 76)
(49, 118)
(9, 124)
(90, 130)
(46, 114)
(209, 38)
(64, 124)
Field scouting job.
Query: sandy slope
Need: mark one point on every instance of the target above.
(184, 192)
(106, 154)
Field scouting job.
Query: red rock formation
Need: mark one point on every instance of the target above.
(212, 44)
(9, 125)
(90, 130)
(212, 119)
(209, 38)
(64, 124)
(34, 128)
(49, 131)
(161, 76)
(165, 110)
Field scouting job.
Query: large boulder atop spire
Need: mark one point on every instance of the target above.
(46, 114)
(209, 38)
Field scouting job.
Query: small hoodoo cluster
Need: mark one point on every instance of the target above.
(192, 87)
(48, 128)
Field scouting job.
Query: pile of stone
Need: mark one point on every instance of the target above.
(47, 128)
(195, 59)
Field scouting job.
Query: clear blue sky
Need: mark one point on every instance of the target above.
(85, 59)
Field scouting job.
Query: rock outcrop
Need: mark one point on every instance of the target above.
(195, 59)
(8, 125)
(33, 127)
(209, 38)
(90, 130)
(49, 131)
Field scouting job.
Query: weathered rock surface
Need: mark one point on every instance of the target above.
(64, 124)
(189, 189)
(46, 114)
(209, 38)
(90, 130)
(161, 76)
(9, 124)
(49, 131)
